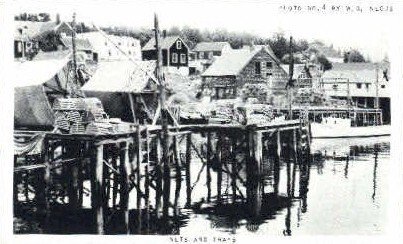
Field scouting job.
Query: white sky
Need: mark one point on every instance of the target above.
(369, 33)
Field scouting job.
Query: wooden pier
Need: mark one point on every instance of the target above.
(119, 164)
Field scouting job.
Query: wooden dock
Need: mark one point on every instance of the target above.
(115, 165)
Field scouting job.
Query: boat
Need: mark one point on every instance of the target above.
(328, 122)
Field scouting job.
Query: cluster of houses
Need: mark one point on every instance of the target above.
(253, 71)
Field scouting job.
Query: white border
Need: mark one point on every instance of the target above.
(395, 224)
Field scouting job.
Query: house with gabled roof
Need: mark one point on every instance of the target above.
(107, 47)
(30, 37)
(175, 54)
(205, 54)
(233, 72)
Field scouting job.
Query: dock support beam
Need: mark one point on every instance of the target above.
(219, 167)
(254, 184)
(98, 188)
(188, 158)
(125, 181)
(208, 173)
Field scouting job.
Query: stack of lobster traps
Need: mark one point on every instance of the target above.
(84, 116)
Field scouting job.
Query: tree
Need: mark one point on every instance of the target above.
(286, 59)
(279, 45)
(44, 17)
(353, 56)
(324, 62)
(41, 17)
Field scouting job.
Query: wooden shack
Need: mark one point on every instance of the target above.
(230, 74)
(128, 89)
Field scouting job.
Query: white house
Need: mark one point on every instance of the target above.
(111, 47)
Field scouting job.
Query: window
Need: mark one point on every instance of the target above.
(119, 43)
(382, 86)
(183, 58)
(367, 85)
(269, 74)
(174, 58)
(110, 53)
(133, 44)
(359, 85)
(178, 45)
(269, 65)
(106, 44)
(130, 52)
(257, 68)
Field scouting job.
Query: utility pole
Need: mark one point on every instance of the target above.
(291, 74)
(164, 120)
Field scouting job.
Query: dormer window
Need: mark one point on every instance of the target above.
(178, 45)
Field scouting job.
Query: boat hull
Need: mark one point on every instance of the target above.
(335, 131)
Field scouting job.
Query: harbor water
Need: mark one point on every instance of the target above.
(342, 189)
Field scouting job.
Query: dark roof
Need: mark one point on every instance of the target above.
(210, 46)
(358, 72)
(166, 43)
(232, 62)
(81, 44)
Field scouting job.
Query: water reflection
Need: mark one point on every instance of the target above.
(289, 179)
(335, 178)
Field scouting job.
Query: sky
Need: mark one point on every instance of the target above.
(367, 32)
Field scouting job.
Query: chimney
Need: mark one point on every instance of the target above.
(164, 33)
(57, 18)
